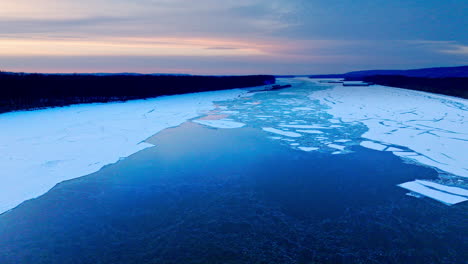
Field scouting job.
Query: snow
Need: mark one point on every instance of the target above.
(447, 198)
(45, 147)
(221, 123)
(432, 126)
(281, 132)
(373, 145)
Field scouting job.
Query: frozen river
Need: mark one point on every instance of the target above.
(310, 173)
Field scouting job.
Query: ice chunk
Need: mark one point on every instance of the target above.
(444, 197)
(445, 188)
(310, 131)
(405, 154)
(230, 112)
(336, 146)
(302, 109)
(342, 140)
(304, 126)
(281, 132)
(275, 138)
(308, 149)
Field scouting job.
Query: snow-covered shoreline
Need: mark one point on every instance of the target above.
(44, 147)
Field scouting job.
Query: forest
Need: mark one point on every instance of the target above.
(20, 91)
(448, 86)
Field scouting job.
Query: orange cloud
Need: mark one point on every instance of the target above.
(128, 47)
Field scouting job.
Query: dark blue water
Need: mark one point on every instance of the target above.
(233, 196)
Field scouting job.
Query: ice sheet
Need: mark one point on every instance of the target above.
(432, 126)
(44, 147)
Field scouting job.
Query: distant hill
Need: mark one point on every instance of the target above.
(451, 81)
(439, 72)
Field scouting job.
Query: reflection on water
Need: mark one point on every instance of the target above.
(233, 196)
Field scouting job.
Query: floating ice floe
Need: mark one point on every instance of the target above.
(44, 147)
(445, 188)
(230, 112)
(339, 147)
(275, 138)
(446, 194)
(221, 123)
(308, 149)
(310, 131)
(281, 132)
(304, 126)
(302, 109)
(342, 140)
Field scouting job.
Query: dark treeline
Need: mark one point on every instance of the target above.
(447, 86)
(30, 91)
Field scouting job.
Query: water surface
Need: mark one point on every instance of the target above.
(206, 195)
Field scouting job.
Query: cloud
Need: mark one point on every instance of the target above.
(287, 33)
(112, 46)
(441, 46)
(221, 48)
(457, 49)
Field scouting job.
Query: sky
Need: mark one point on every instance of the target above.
(231, 36)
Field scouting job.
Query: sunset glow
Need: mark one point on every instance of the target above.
(276, 36)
